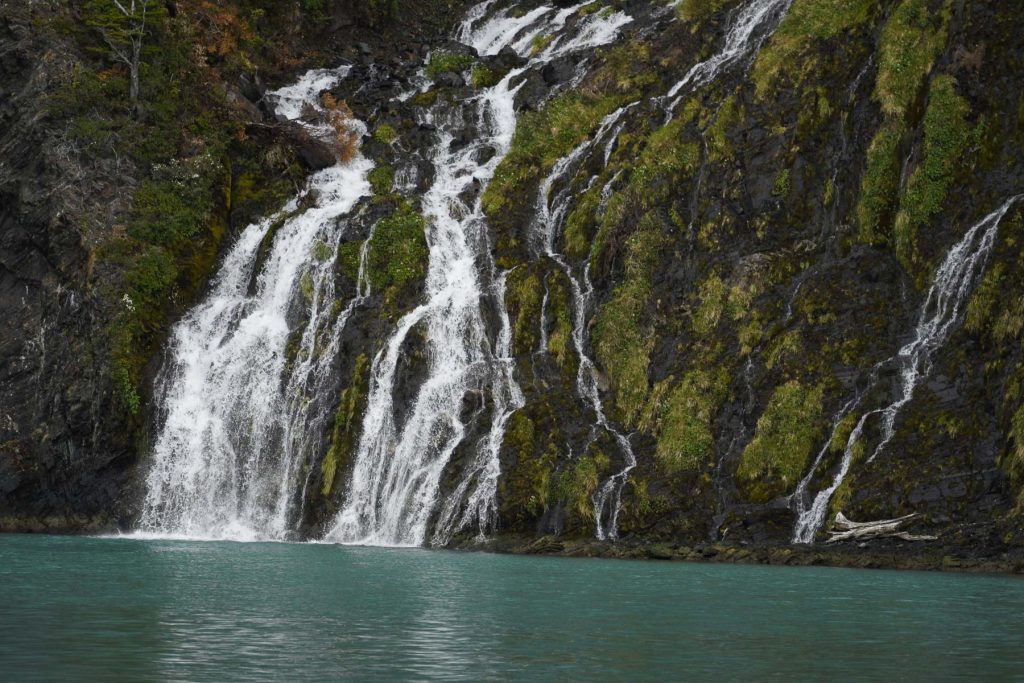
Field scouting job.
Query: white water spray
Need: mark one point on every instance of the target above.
(239, 417)
(396, 477)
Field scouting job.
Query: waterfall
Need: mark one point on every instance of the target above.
(940, 314)
(241, 394)
(754, 24)
(551, 213)
(396, 477)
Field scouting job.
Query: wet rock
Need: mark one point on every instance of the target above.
(450, 79)
(483, 154)
(315, 153)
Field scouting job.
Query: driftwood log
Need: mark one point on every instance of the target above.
(845, 529)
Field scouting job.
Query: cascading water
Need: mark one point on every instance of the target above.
(396, 477)
(752, 25)
(940, 314)
(239, 418)
(551, 213)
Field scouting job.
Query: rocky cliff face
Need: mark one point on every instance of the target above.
(740, 249)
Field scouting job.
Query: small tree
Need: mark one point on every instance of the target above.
(122, 24)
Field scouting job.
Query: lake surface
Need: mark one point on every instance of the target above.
(120, 609)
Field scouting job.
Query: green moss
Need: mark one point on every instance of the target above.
(447, 62)
(912, 39)
(665, 163)
(685, 438)
(321, 251)
(397, 257)
(560, 315)
(540, 42)
(541, 139)
(730, 114)
(714, 296)
(385, 134)
(694, 10)
(789, 54)
(576, 485)
(621, 342)
(525, 486)
(523, 298)
(781, 186)
(346, 425)
(382, 180)
(349, 256)
(880, 185)
(482, 77)
(581, 224)
(841, 434)
(775, 460)
(946, 138)
(425, 99)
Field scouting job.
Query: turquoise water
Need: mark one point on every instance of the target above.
(116, 609)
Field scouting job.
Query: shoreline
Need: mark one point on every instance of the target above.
(881, 554)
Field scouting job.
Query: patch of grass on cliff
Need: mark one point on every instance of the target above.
(879, 189)
(621, 342)
(694, 10)
(730, 114)
(382, 180)
(442, 62)
(397, 258)
(789, 55)
(523, 296)
(581, 224)
(525, 485)
(575, 486)
(787, 433)
(665, 164)
(560, 317)
(685, 439)
(912, 39)
(947, 137)
(346, 425)
(541, 139)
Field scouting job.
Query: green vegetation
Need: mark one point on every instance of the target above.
(447, 62)
(346, 425)
(880, 186)
(789, 54)
(781, 186)
(912, 39)
(693, 10)
(524, 294)
(730, 114)
(382, 180)
(396, 261)
(581, 224)
(540, 42)
(685, 438)
(525, 486)
(576, 485)
(541, 139)
(787, 433)
(385, 134)
(482, 77)
(947, 136)
(622, 345)
(560, 316)
(666, 161)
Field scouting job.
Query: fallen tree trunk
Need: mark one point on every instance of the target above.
(845, 529)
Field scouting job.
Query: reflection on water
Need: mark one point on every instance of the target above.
(74, 608)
